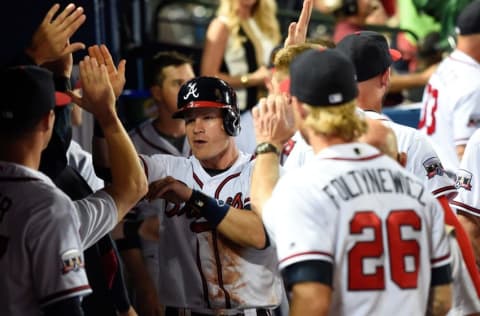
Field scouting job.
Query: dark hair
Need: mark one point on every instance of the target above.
(17, 130)
(164, 59)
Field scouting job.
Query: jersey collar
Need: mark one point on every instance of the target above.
(351, 151)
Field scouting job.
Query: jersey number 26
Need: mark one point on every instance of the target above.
(399, 249)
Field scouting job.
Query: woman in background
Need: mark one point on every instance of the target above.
(238, 46)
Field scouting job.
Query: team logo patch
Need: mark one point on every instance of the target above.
(72, 260)
(434, 167)
(464, 180)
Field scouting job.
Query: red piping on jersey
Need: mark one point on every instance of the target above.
(465, 206)
(18, 179)
(202, 277)
(463, 242)
(197, 180)
(357, 159)
(145, 167)
(222, 184)
(322, 253)
(51, 297)
(441, 190)
(146, 140)
(435, 260)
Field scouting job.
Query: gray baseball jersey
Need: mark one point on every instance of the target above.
(40, 248)
(148, 141)
(374, 223)
(199, 268)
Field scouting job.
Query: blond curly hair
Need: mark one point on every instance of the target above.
(264, 14)
(339, 120)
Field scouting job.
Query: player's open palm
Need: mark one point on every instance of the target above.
(273, 120)
(51, 40)
(98, 97)
(115, 73)
(169, 189)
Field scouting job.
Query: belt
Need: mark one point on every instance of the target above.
(174, 311)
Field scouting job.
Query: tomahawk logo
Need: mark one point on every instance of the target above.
(192, 90)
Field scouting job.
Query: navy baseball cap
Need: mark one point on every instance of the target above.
(27, 92)
(369, 52)
(323, 78)
(468, 22)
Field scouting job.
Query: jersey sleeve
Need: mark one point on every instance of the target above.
(424, 162)
(466, 116)
(311, 236)
(468, 199)
(158, 166)
(98, 215)
(56, 253)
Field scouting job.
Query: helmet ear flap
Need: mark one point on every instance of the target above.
(231, 122)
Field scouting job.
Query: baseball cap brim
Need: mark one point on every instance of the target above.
(62, 99)
(395, 54)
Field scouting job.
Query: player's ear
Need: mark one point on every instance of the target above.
(157, 92)
(47, 121)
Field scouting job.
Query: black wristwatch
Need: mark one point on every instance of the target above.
(265, 147)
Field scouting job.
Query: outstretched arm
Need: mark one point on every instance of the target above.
(241, 226)
(129, 183)
(297, 31)
(273, 120)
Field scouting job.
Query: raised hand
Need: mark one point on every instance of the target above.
(297, 31)
(98, 97)
(51, 40)
(115, 73)
(273, 120)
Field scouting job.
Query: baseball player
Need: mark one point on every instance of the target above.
(336, 221)
(451, 111)
(372, 58)
(215, 256)
(162, 135)
(465, 298)
(467, 202)
(41, 250)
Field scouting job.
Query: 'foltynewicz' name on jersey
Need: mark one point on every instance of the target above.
(371, 181)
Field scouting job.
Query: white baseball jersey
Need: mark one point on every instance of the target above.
(375, 223)
(296, 152)
(422, 159)
(40, 249)
(465, 300)
(468, 198)
(451, 106)
(198, 267)
(81, 160)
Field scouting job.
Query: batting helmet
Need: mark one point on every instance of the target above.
(210, 92)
